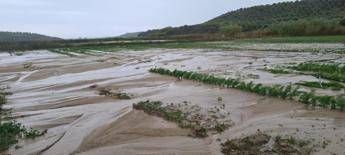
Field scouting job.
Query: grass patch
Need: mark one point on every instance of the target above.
(199, 125)
(323, 85)
(284, 92)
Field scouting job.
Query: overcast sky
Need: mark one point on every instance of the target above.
(102, 18)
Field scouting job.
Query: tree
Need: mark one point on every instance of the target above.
(342, 22)
(231, 30)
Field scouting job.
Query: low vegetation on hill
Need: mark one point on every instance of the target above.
(24, 37)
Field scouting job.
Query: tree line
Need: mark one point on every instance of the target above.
(305, 17)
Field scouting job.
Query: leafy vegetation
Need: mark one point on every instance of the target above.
(11, 131)
(284, 92)
(156, 108)
(110, 93)
(323, 85)
(342, 22)
(259, 144)
(305, 17)
(334, 72)
(185, 119)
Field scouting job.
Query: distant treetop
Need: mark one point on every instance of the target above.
(263, 17)
(24, 37)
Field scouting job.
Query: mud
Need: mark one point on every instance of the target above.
(57, 95)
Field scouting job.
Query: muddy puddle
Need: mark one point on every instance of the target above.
(60, 94)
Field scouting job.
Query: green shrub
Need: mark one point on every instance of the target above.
(11, 131)
(342, 22)
(220, 128)
(341, 103)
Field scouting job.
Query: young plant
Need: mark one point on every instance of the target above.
(184, 119)
(334, 72)
(11, 131)
(323, 85)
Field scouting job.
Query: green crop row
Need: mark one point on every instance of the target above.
(323, 85)
(334, 72)
(284, 92)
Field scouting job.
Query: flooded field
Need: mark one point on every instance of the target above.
(84, 100)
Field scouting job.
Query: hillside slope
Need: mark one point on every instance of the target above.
(130, 35)
(292, 17)
(24, 37)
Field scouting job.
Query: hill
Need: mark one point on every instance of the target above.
(24, 37)
(130, 35)
(305, 17)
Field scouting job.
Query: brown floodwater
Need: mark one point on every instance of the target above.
(54, 94)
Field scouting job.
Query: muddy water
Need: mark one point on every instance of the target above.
(54, 93)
